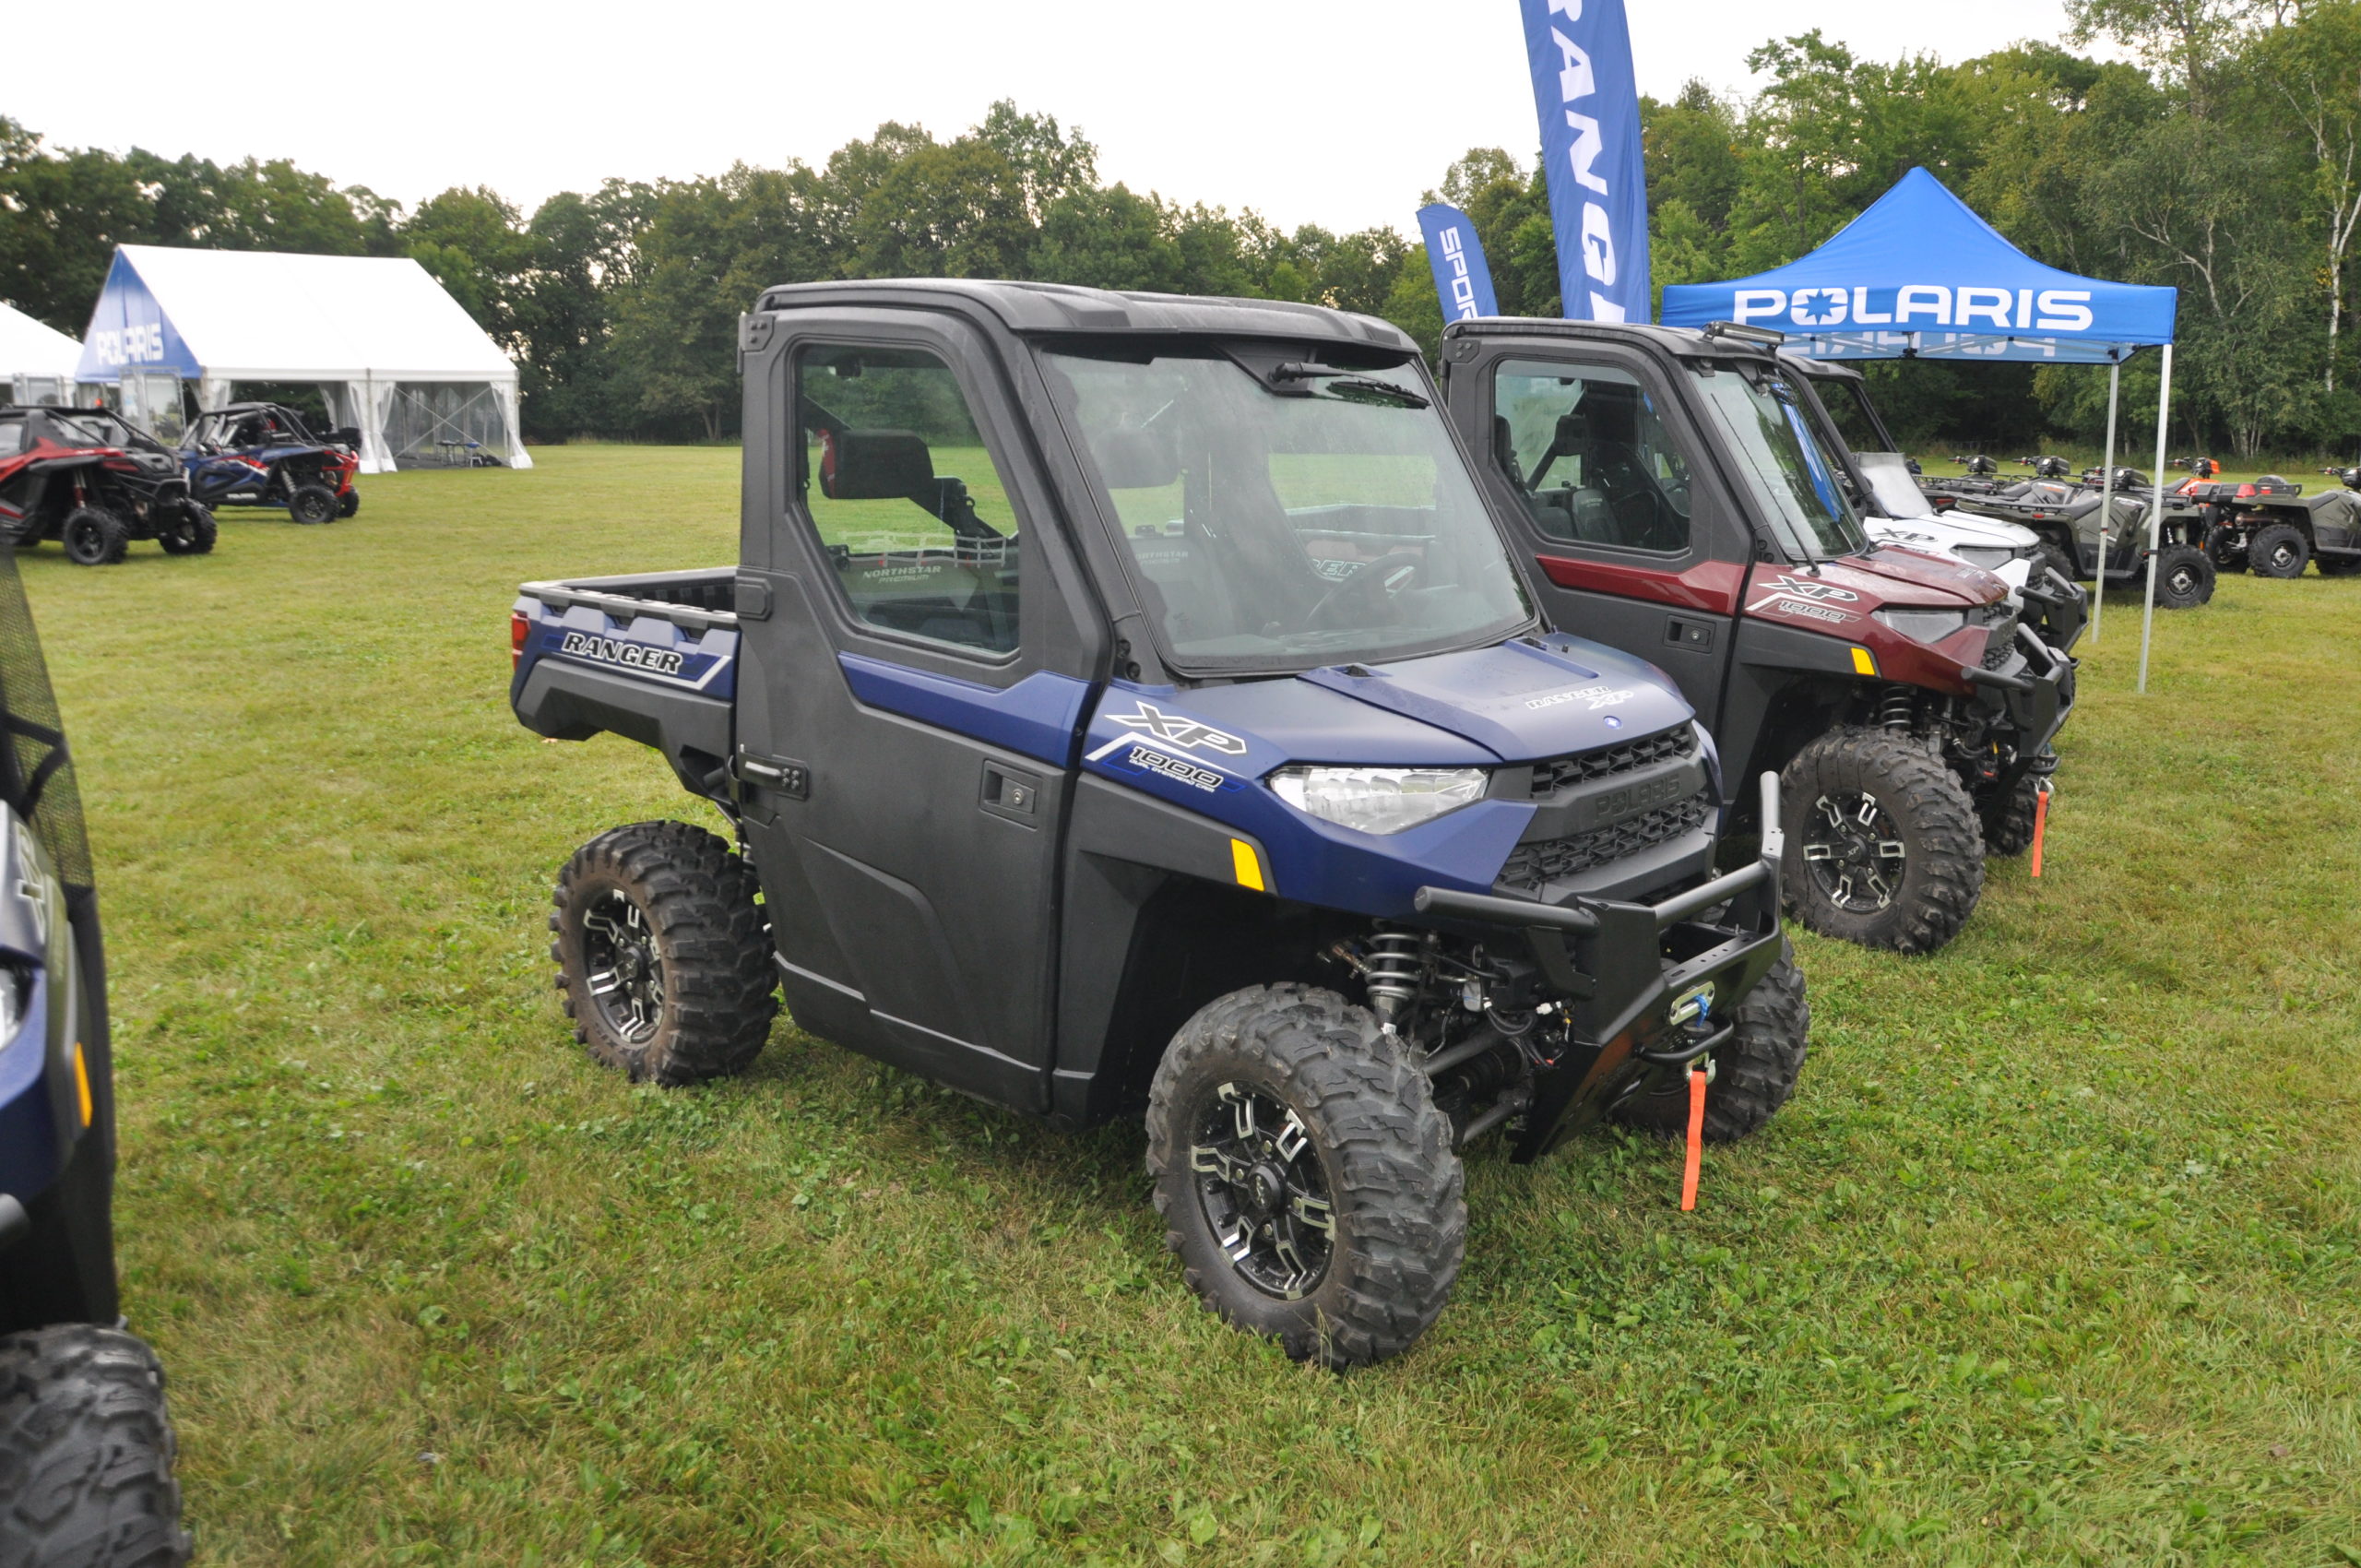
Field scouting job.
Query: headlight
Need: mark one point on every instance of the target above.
(1378, 799)
(1991, 557)
(1925, 626)
(16, 995)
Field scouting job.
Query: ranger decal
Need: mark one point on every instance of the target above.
(614, 650)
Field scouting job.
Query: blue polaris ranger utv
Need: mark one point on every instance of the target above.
(1126, 703)
(86, 1450)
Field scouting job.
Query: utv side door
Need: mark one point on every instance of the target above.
(1621, 522)
(910, 692)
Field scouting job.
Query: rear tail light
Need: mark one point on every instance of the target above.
(2245, 490)
(517, 627)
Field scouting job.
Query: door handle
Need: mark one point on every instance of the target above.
(1012, 792)
(1679, 631)
(790, 779)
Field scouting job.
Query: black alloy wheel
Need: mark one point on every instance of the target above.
(1883, 845)
(622, 973)
(192, 532)
(311, 503)
(1855, 852)
(1306, 1177)
(94, 537)
(1261, 1191)
(663, 953)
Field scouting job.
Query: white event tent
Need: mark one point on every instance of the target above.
(36, 361)
(394, 355)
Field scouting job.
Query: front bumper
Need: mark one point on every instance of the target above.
(2056, 610)
(1625, 969)
(2032, 702)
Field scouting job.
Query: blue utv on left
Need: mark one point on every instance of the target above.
(86, 1447)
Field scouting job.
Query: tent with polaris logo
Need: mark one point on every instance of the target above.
(1920, 276)
(36, 361)
(394, 356)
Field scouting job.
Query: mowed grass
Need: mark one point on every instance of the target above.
(2053, 1258)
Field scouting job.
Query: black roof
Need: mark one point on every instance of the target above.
(1689, 341)
(1062, 308)
(1822, 370)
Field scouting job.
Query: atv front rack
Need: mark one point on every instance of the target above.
(1647, 985)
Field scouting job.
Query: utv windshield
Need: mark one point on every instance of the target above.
(1283, 514)
(1796, 478)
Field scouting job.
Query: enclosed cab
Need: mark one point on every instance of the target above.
(1126, 705)
(1677, 495)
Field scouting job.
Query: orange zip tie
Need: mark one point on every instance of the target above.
(1696, 1139)
(2040, 825)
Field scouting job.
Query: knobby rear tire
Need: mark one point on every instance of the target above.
(94, 537)
(697, 903)
(2278, 550)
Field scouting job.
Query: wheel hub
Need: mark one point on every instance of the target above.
(1263, 1190)
(1854, 851)
(623, 974)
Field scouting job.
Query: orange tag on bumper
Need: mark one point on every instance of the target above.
(1696, 1139)
(2040, 826)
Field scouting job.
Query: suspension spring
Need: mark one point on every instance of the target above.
(1392, 969)
(1895, 708)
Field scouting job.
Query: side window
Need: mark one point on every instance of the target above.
(1847, 405)
(12, 437)
(908, 504)
(1588, 451)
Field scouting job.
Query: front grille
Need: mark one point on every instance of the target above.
(1550, 776)
(1533, 866)
(2003, 641)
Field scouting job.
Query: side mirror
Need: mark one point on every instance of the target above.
(876, 465)
(1137, 459)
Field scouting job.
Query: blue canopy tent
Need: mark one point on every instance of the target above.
(1920, 276)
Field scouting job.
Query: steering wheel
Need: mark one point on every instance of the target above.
(1368, 573)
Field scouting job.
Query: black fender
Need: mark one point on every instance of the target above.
(570, 702)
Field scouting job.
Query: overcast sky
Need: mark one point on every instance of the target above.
(1337, 114)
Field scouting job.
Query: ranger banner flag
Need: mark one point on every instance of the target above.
(1461, 280)
(1589, 104)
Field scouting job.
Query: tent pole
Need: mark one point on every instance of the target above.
(2155, 515)
(2106, 497)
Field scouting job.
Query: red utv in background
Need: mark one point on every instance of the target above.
(87, 480)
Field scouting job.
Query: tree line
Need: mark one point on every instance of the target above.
(2223, 157)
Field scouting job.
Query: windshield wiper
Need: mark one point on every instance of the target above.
(1345, 384)
(1368, 389)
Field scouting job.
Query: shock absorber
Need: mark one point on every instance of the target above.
(1895, 709)
(1391, 971)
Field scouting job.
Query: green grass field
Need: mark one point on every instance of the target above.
(2053, 1259)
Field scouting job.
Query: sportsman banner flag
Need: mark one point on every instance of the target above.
(1463, 281)
(1589, 104)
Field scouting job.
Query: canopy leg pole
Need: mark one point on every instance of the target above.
(2155, 515)
(2106, 499)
